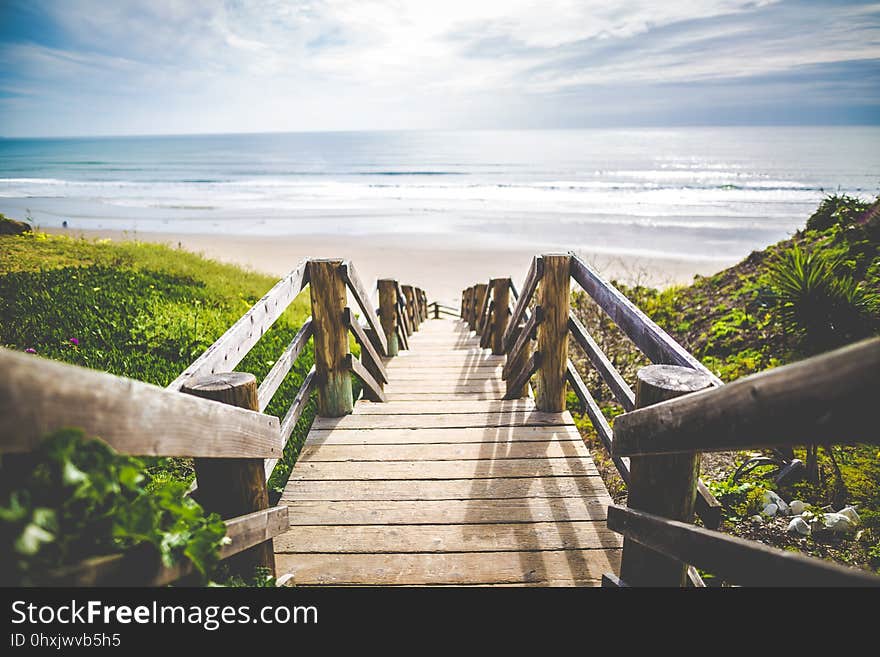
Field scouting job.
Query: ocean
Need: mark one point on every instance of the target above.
(679, 192)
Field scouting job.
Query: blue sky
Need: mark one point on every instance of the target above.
(86, 67)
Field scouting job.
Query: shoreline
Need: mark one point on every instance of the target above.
(441, 264)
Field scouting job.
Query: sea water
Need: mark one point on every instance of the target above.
(679, 192)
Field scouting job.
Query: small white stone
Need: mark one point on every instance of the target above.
(797, 507)
(850, 512)
(797, 525)
(770, 510)
(838, 523)
(756, 518)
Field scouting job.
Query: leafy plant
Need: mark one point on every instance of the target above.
(75, 498)
(827, 307)
(836, 209)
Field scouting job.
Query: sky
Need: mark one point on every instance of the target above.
(98, 67)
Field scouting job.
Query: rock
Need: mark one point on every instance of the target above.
(798, 525)
(850, 512)
(770, 510)
(797, 507)
(771, 497)
(756, 518)
(837, 523)
(12, 227)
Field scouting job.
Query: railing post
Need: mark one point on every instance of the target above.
(663, 485)
(501, 296)
(480, 291)
(411, 311)
(516, 366)
(420, 304)
(436, 310)
(466, 300)
(387, 314)
(554, 292)
(233, 487)
(328, 296)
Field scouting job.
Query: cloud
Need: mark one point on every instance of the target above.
(192, 65)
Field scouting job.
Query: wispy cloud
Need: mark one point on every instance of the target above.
(196, 65)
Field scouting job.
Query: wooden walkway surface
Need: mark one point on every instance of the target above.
(446, 484)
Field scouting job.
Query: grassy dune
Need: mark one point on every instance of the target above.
(139, 310)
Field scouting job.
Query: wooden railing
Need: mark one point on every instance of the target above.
(234, 445)
(656, 449)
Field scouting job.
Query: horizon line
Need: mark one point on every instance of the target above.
(147, 135)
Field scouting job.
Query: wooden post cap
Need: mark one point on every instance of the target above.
(672, 379)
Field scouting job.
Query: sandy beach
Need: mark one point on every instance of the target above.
(441, 264)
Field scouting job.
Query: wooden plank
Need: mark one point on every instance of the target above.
(536, 271)
(283, 365)
(366, 346)
(479, 434)
(831, 397)
(397, 539)
(288, 424)
(612, 581)
(445, 396)
(525, 334)
(485, 468)
(465, 376)
(432, 421)
(749, 563)
(229, 350)
(446, 512)
(518, 381)
(482, 385)
(653, 341)
(349, 274)
(577, 567)
(587, 486)
(363, 407)
(141, 567)
(38, 396)
(366, 378)
(597, 419)
(444, 452)
(621, 390)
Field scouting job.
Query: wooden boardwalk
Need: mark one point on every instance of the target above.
(446, 484)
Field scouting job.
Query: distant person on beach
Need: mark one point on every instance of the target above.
(64, 224)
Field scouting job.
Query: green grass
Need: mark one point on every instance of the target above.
(139, 310)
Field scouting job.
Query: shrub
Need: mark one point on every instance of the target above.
(75, 498)
(826, 307)
(837, 209)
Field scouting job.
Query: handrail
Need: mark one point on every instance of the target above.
(231, 348)
(363, 300)
(801, 403)
(288, 423)
(361, 372)
(742, 561)
(366, 345)
(652, 340)
(38, 396)
(272, 381)
(600, 424)
(622, 392)
(536, 271)
(525, 334)
(521, 378)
